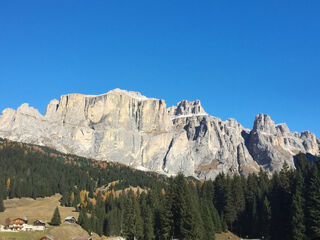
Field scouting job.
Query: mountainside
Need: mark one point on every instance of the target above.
(142, 132)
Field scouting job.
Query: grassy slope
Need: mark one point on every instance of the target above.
(42, 209)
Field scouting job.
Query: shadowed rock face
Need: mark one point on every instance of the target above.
(129, 128)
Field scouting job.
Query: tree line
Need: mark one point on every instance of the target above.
(285, 205)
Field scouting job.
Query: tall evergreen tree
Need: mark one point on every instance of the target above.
(265, 218)
(99, 212)
(138, 233)
(301, 162)
(216, 221)
(56, 219)
(207, 212)
(230, 212)
(129, 218)
(181, 223)
(83, 220)
(298, 230)
(146, 215)
(313, 205)
(164, 219)
(2, 208)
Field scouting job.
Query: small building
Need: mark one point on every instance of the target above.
(70, 219)
(19, 221)
(27, 228)
(39, 223)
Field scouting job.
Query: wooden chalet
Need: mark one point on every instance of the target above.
(70, 219)
(39, 223)
(19, 221)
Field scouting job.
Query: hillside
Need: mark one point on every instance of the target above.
(42, 208)
(35, 171)
(113, 199)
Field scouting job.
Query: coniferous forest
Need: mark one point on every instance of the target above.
(285, 205)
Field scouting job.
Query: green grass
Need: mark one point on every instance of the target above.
(23, 235)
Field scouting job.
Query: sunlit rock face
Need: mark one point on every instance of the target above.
(127, 127)
(271, 145)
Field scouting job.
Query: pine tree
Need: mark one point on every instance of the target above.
(165, 219)
(301, 162)
(238, 194)
(2, 208)
(216, 221)
(129, 218)
(100, 215)
(197, 226)
(229, 209)
(146, 215)
(138, 233)
(297, 218)
(206, 212)
(83, 220)
(265, 218)
(281, 198)
(182, 218)
(313, 205)
(56, 219)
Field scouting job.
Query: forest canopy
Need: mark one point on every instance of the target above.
(285, 205)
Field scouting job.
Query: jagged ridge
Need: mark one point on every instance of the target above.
(130, 128)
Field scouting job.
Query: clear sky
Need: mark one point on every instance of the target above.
(240, 58)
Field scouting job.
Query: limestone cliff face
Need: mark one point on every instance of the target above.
(127, 127)
(271, 145)
(205, 145)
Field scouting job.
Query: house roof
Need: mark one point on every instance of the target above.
(38, 220)
(24, 219)
(69, 218)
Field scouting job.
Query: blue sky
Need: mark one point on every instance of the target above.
(240, 58)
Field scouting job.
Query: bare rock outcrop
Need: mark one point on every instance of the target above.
(271, 145)
(130, 128)
(186, 108)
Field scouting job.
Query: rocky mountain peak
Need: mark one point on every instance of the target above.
(132, 94)
(283, 128)
(51, 108)
(127, 127)
(27, 110)
(272, 145)
(186, 108)
(264, 123)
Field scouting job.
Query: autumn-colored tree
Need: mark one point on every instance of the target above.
(71, 198)
(83, 202)
(163, 192)
(8, 184)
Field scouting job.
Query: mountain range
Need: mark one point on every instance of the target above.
(127, 127)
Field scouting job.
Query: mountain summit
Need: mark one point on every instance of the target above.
(127, 127)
